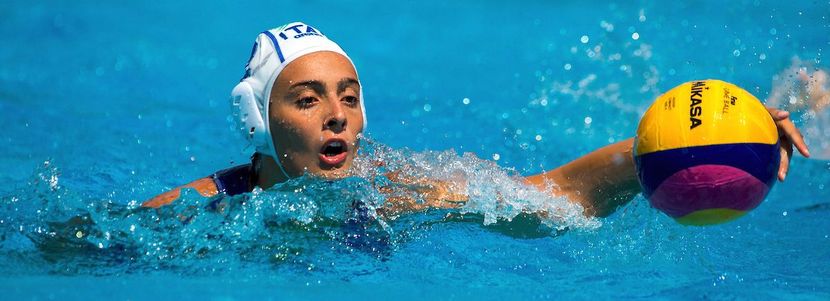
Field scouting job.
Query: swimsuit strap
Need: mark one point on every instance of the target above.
(235, 180)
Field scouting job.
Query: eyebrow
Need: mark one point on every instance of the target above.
(320, 88)
(345, 83)
(315, 85)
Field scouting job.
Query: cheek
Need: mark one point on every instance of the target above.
(293, 139)
(359, 123)
(294, 149)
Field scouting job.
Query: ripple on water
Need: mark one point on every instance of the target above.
(292, 225)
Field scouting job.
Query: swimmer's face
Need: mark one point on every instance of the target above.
(315, 115)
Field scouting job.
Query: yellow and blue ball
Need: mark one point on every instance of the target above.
(706, 152)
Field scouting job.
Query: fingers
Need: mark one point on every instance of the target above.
(786, 153)
(446, 204)
(789, 137)
(778, 115)
(788, 131)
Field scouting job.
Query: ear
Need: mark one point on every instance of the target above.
(246, 111)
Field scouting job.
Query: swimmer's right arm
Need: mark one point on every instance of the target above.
(206, 187)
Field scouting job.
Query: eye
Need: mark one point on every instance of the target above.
(306, 102)
(351, 101)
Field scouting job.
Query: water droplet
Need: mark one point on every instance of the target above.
(607, 26)
(584, 39)
(588, 120)
(568, 66)
(465, 101)
(496, 156)
(736, 52)
(784, 213)
(635, 36)
(538, 137)
(427, 107)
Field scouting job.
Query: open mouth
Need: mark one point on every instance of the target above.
(334, 152)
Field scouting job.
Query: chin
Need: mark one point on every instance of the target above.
(333, 174)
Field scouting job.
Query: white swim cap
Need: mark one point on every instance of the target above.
(273, 50)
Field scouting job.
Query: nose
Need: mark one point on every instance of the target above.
(336, 121)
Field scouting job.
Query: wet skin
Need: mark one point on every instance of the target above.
(315, 118)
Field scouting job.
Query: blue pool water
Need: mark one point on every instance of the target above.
(106, 104)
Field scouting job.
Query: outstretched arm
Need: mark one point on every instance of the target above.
(600, 181)
(605, 179)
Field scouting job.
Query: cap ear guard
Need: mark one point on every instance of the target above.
(247, 114)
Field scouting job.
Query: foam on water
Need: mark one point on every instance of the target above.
(794, 91)
(293, 222)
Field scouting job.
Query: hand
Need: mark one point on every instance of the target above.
(789, 136)
(429, 193)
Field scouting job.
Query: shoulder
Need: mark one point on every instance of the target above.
(232, 181)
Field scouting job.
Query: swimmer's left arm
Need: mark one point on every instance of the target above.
(606, 179)
(600, 181)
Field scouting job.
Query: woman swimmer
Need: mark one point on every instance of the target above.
(301, 105)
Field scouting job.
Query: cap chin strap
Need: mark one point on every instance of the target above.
(246, 111)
